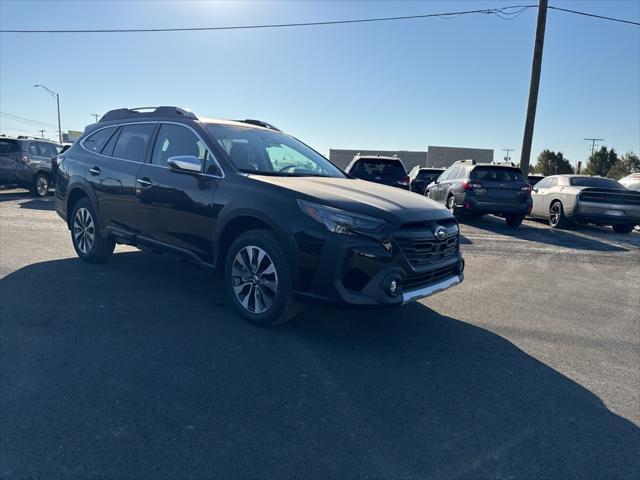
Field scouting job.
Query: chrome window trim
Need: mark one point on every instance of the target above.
(154, 122)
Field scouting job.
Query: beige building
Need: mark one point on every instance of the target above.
(434, 157)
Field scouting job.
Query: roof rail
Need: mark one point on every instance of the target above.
(141, 112)
(468, 160)
(260, 123)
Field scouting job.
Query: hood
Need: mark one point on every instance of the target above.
(360, 196)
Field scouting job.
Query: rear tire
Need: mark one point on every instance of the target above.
(451, 206)
(622, 228)
(258, 279)
(85, 234)
(514, 220)
(557, 218)
(41, 185)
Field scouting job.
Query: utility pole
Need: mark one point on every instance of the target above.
(57, 97)
(42, 133)
(96, 115)
(536, 67)
(507, 158)
(593, 143)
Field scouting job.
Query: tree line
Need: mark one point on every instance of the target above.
(604, 162)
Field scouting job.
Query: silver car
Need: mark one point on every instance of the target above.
(564, 199)
(632, 182)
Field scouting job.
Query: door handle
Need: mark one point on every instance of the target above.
(95, 171)
(144, 182)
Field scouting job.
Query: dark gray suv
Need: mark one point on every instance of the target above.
(467, 188)
(27, 162)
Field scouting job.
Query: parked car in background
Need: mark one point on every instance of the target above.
(27, 162)
(214, 192)
(421, 177)
(470, 188)
(632, 182)
(564, 199)
(379, 169)
(533, 179)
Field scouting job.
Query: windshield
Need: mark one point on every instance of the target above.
(595, 182)
(496, 174)
(267, 152)
(369, 167)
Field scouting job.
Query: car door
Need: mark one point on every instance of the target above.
(436, 191)
(112, 172)
(176, 207)
(540, 197)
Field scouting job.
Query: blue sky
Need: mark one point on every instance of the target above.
(395, 85)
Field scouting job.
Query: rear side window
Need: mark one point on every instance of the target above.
(9, 146)
(97, 140)
(455, 173)
(369, 167)
(132, 142)
(496, 174)
(47, 150)
(33, 149)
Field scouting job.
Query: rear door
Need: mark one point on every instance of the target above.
(112, 172)
(10, 155)
(176, 207)
(499, 185)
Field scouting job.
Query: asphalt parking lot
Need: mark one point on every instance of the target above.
(138, 369)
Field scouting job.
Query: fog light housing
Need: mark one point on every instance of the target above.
(393, 286)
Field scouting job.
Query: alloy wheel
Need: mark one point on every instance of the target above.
(84, 230)
(42, 186)
(554, 214)
(451, 204)
(255, 280)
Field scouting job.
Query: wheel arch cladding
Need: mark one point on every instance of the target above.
(74, 197)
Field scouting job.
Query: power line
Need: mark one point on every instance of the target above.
(621, 20)
(485, 11)
(28, 121)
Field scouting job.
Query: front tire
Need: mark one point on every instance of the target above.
(622, 228)
(258, 279)
(40, 185)
(85, 234)
(557, 218)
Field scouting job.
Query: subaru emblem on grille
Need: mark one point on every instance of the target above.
(440, 232)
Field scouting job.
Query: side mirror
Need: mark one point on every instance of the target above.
(534, 190)
(185, 163)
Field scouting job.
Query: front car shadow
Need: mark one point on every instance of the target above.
(136, 368)
(548, 236)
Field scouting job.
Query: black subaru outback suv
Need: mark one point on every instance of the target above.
(280, 221)
(467, 188)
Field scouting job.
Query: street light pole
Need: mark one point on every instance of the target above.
(57, 97)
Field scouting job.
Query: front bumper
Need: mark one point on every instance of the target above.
(355, 271)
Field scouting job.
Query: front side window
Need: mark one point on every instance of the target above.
(47, 150)
(176, 140)
(96, 141)
(132, 142)
(254, 150)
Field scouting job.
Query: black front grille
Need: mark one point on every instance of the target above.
(425, 249)
(418, 280)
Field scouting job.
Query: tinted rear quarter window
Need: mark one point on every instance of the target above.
(9, 146)
(97, 140)
(496, 174)
(133, 141)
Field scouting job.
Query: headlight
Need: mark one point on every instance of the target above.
(339, 221)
